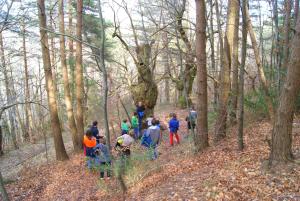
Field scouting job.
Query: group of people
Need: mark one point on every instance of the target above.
(96, 150)
(98, 153)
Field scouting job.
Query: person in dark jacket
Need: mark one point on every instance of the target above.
(174, 127)
(95, 131)
(191, 120)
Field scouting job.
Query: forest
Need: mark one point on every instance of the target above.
(149, 100)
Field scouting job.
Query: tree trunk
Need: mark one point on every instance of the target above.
(287, 26)
(166, 66)
(1, 138)
(3, 192)
(226, 56)
(212, 47)
(296, 9)
(241, 80)
(189, 72)
(71, 59)
(146, 89)
(277, 42)
(281, 149)
(234, 46)
(67, 93)
(79, 73)
(261, 74)
(61, 153)
(201, 139)
(28, 112)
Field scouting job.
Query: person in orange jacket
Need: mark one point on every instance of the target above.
(89, 143)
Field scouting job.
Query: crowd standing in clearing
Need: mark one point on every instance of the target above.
(99, 156)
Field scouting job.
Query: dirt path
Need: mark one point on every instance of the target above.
(30, 155)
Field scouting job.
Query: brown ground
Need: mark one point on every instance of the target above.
(219, 173)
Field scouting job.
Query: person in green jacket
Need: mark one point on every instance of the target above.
(124, 127)
(135, 125)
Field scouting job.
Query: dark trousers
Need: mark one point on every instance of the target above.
(105, 167)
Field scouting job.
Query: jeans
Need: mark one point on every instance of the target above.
(153, 152)
(136, 133)
(90, 162)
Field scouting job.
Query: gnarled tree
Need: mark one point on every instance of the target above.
(145, 89)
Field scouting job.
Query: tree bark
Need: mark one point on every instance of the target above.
(201, 141)
(166, 65)
(234, 46)
(60, 150)
(296, 9)
(224, 88)
(71, 59)
(79, 73)
(287, 26)
(241, 80)
(261, 73)
(212, 47)
(281, 148)
(146, 88)
(67, 93)
(189, 72)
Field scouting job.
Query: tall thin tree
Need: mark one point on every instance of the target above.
(67, 93)
(60, 150)
(201, 141)
(79, 72)
(241, 80)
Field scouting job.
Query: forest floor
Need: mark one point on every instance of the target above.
(221, 172)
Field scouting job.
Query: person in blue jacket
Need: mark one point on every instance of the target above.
(174, 127)
(103, 158)
(140, 110)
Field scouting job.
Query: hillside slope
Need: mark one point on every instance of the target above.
(219, 173)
